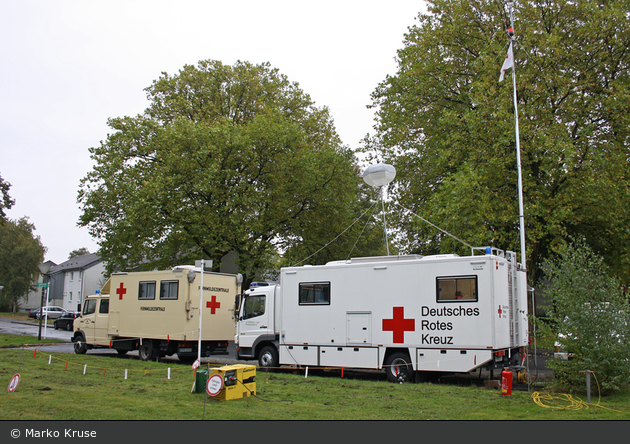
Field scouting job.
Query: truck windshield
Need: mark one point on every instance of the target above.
(254, 305)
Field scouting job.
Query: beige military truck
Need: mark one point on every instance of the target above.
(160, 313)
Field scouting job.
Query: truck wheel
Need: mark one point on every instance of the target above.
(80, 347)
(398, 367)
(146, 351)
(268, 357)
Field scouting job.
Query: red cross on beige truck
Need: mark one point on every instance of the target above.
(408, 315)
(157, 313)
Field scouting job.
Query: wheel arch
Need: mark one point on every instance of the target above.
(78, 335)
(262, 341)
(391, 350)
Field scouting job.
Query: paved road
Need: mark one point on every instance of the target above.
(31, 330)
(26, 328)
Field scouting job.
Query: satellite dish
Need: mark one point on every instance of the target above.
(379, 175)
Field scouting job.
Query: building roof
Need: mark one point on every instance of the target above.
(77, 263)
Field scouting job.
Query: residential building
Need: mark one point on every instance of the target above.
(69, 282)
(34, 297)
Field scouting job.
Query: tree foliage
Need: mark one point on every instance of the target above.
(20, 254)
(5, 199)
(589, 316)
(225, 158)
(78, 252)
(447, 124)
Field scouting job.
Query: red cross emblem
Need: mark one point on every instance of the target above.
(399, 325)
(121, 291)
(213, 305)
(500, 311)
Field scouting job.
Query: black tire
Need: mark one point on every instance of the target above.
(398, 368)
(268, 358)
(146, 351)
(80, 347)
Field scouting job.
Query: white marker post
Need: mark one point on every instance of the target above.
(200, 310)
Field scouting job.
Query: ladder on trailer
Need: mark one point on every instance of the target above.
(513, 295)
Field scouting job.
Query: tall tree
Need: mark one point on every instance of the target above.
(447, 124)
(225, 158)
(588, 318)
(5, 199)
(20, 254)
(78, 252)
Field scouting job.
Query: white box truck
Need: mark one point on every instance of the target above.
(412, 316)
(157, 313)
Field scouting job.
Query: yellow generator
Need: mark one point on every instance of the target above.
(231, 382)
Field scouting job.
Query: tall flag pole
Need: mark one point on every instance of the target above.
(507, 64)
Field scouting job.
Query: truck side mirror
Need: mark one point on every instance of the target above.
(237, 302)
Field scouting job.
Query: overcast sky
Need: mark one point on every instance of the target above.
(68, 66)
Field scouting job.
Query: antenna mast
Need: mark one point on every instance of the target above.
(521, 215)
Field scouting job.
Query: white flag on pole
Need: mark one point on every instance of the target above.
(508, 63)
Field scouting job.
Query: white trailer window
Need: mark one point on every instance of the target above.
(457, 289)
(146, 290)
(314, 293)
(169, 289)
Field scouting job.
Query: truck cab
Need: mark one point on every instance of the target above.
(255, 327)
(90, 328)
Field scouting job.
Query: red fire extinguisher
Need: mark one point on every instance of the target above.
(506, 382)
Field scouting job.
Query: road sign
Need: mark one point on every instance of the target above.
(214, 384)
(42, 284)
(15, 381)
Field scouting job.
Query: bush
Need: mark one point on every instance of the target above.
(589, 317)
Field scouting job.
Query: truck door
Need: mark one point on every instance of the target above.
(85, 323)
(255, 318)
(93, 321)
(101, 322)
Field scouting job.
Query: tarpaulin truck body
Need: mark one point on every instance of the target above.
(403, 314)
(157, 313)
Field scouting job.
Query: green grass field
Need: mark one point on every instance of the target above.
(57, 386)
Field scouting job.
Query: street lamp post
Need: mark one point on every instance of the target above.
(380, 175)
(44, 268)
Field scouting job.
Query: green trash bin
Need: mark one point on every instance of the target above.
(201, 379)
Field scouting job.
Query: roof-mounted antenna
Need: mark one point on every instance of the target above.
(510, 62)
